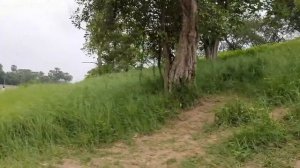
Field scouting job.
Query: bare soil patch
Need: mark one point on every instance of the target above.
(297, 164)
(279, 113)
(69, 163)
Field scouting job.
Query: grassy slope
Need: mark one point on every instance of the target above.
(269, 78)
(52, 117)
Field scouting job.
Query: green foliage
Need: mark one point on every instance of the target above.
(57, 75)
(281, 18)
(2, 73)
(27, 76)
(128, 34)
(239, 113)
(218, 20)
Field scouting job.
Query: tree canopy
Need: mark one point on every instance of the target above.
(136, 33)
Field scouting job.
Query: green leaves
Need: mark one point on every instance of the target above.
(126, 34)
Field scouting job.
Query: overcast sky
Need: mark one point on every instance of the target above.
(38, 35)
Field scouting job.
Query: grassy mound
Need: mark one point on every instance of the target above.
(270, 73)
(96, 111)
(116, 106)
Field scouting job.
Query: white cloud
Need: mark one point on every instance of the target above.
(38, 34)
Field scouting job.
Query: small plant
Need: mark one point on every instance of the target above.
(238, 113)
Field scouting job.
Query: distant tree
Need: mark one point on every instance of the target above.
(20, 76)
(12, 78)
(219, 18)
(278, 20)
(282, 18)
(246, 35)
(24, 76)
(14, 68)
(57, 75)
(2, 74)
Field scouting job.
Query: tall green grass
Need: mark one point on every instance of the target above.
(95, 111)
(116, 106)
(239, 113)
(269, 72)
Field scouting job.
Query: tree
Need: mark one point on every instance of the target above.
(147, 28)
(183, 69)
(20, 76)
(2, 74)
(14, 68)
(129, 33)
(281, 19)
(245, 35)
(219, 18)
(57, 75)
(25, 76)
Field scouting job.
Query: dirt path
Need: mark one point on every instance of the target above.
(163, 149)
(297, 164)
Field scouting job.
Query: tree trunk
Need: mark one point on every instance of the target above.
(211, 48)
(159, 61)
(183, 69)
(169, 59)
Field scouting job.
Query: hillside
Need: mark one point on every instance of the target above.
(41, 124)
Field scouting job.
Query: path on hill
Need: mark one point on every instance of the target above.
(164, 148)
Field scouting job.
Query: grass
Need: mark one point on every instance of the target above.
(43, 120)
(254, 139)
(268, 76)
(83, 115)
(269, 72)
(238, 113)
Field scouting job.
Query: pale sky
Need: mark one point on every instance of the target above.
(38, 35)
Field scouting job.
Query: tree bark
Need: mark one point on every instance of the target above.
(211, 48)
(183, 69)
(159, 61)
(169, 59)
